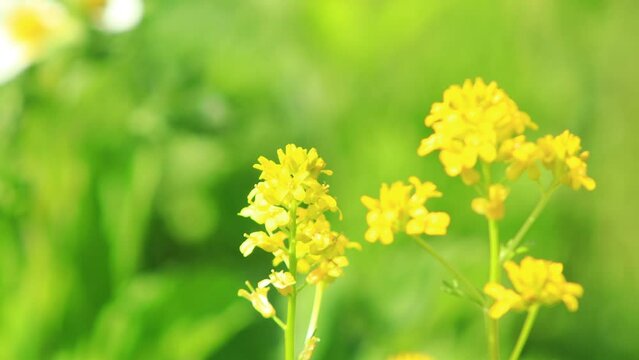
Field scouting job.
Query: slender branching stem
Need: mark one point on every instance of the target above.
(317, 304)
(525, 331)
(513, 244)
(279, 322)
(469, 287)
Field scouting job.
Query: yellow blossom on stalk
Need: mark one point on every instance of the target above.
(535, 281)
(493, 206)
(402, 208)
(264, 241)
(259, 299)
(522, 156)
(289, 193)
(262, 211)
(283, 281)
(309, 348)
(470, 124)
(563, 156)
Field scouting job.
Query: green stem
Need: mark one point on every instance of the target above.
(492, 325)
(525, 331)
(514, 243)
(317, 303)
(494, 276)
(495, 269)
(279, 322)
(289, 335)
(492, 331)
(456, 273)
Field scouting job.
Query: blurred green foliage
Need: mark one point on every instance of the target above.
(124, 161)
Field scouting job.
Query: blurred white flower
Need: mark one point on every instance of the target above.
(29, 29)
(116, 16)
(12, 58)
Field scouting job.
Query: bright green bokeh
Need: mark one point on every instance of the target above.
(124, 162)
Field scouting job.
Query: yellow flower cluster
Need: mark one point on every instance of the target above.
(479, 123)
(470, 124)
(535, 281)
(402, 208)
(561, 155)
(288, 195)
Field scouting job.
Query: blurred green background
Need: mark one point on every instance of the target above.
(124, 161)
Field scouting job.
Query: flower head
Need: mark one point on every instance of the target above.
(28, 31)
(283, 281)
(259, 299)
(535, 281)
(402, 208)
(563, 156)
(115, 16)
(492, 206)
(470, 124)
(522, 156)
(266, 242)
(291, 203)
(293, 180)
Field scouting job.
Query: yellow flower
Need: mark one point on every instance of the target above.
(535, 281)
(563, 156)
(522, 156)
(384, 215)
(265, 213)
(266, 242)
(470, 124)
(402, 208)
(309, 348)
(293, 179)
(288, 190)
(259, 299)
(327, 270)
(282, 281)
(505, 300)
(493, 206)
(410, 356)
(576, 175)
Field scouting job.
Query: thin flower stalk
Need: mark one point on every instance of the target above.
(511, 247)
(289, 334)
(525, 332)
(471, 289)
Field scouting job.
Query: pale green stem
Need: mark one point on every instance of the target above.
(456, 273)
(494, 276)
(525, 331)
(494, 273)
(495, 269)
(317, 303)
(492, 333)
(514, 243)
(289, 335)
(279, 322)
